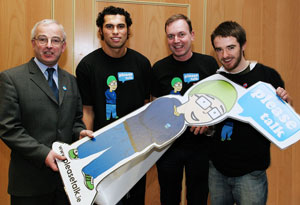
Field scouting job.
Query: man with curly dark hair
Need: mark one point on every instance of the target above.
(128, 69)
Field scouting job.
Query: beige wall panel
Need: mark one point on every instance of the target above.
(63, 12)
(196, 15)
(16, 21)
(85, 30)
(4, 163)
(215, 15)
(295, 174)
(281, 50)
(272, 29)
(164, 1)
(12, 40)
(285, 35)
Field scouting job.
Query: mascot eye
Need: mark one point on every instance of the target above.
(203, 102)
(214, 113)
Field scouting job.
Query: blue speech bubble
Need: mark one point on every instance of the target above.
(125, 76)
(263, 105)
(190, 77)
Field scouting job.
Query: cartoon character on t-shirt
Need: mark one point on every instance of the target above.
(111, 98)
(177, 85)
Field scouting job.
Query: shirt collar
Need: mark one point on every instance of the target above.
(222, 69)
(43, 67)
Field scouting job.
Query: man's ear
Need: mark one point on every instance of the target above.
(100, 34)
(64, 46)
(33, 43)
(244, 46)
(193, 35)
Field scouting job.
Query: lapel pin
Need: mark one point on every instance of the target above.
(64, 88)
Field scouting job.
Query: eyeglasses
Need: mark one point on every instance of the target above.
(43, 40)
(205, 103)
(178, 84)
(114, 83)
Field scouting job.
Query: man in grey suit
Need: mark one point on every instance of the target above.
(37, 108)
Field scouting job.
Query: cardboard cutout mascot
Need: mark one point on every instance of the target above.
(104, 168)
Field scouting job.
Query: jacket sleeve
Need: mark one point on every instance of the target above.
(12, 132)
(78, 124)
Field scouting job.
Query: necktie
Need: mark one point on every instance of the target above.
(51, 82)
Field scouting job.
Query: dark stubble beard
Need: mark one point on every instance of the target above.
(236, 63)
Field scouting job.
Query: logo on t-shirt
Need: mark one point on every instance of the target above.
(125, 76)
(191, 77)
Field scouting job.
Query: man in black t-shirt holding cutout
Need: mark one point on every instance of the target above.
(114, 65)
(241, 155)
(178, 72)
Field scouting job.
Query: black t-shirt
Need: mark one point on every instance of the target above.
(196, 68)
(246, 150)
(165, 70)
(132, 74)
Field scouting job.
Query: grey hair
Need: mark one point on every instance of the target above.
(47, 22)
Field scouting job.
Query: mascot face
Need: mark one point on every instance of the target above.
(202, 108)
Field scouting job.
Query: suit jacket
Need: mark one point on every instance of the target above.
(31, 119)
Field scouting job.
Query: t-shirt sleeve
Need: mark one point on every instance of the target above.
(213, 65)
(275, 79)
(84, 82)
(155, 91)
(210, 64)
(147, 78)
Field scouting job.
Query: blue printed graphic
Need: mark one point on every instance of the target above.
(227, 131)
(191, 77)
(125, 76)
(119, 147)
(111, 98)
(270, 112)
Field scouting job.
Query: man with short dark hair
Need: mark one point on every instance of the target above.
(241, 155)
(189, 152)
